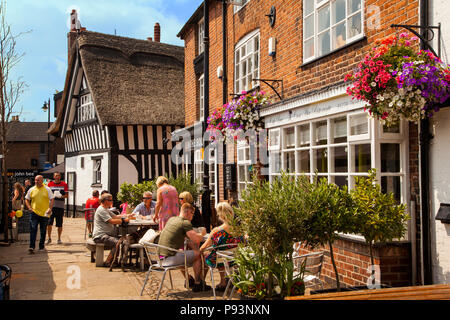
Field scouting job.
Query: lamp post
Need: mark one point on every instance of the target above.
(46, 107)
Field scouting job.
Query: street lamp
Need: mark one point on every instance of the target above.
(46, 107)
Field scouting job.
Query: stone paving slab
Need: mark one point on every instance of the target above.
(48, 275)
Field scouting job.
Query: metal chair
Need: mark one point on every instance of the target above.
(5, 279)
(228, 250)
(313, 267)
(227, 258)
(156, 264)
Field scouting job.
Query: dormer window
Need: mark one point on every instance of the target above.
(85, 108)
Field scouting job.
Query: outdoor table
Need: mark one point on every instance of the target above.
(139, 223)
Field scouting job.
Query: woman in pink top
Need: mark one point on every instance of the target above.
(166, 202)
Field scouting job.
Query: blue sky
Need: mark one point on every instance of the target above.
(44, 65)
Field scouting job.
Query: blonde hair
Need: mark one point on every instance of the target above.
(161, 180)
(187, 196)
(224, 211)
(185, 207)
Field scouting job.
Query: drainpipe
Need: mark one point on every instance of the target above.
(424, 132)
(206, 89)
(224, 81)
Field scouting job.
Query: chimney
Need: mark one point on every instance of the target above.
(157, 32)
(150, 39)
(75, 27)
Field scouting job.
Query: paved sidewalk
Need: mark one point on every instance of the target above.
(48, 275)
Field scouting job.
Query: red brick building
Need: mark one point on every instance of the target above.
(308, 48)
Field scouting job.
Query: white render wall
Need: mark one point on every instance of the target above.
(440, 156)
(84, 176)
(127, 171)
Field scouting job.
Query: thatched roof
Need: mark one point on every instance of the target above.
(131, 81)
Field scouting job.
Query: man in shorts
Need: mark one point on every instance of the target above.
(60, 191)
(173, 235)
(91, 203)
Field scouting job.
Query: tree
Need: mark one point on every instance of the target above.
(330, 211)
(378, 217)
(10, 91)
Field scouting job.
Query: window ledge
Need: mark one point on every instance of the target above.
(96, 185)
(364, 38)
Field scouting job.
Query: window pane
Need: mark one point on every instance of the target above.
(275, 163)
(359, 125)
(304, 161)
(340, 130)
(309, 49)
(309, 27)
(324, 18)
(324, 43)
(289, 162)
(338, 8)
(390, 157)
(340, 181)
(340, 159)
(339, 36)
(354, 5)
(304, 136)
(242, 170)
(362, 157)
(274, 138)
(289, 138)
(321, 160)
(391, 185)
(321, 133)
(308, 7)
(354, 27)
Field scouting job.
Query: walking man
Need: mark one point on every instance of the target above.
(60, 191)
(39, 200)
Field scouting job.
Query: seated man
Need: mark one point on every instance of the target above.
(173, 236)
(104, 221)
(147, 206)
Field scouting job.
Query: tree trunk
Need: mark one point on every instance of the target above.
(5, 197)
(338, 284)
(372, 262)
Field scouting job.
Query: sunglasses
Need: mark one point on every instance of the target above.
(146, 198)
(180, 198)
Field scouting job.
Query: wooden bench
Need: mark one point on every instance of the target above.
(429, 292)
(97, 252)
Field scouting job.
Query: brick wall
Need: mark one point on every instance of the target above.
(288, 61)
(21, 153)
(353, 259)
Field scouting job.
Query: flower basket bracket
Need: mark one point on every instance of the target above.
(274, 85)
(422, 38)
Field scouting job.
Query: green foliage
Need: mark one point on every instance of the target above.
(132, 193)
(378, 216)
(273, 216)
(183, 183)
(330, 211)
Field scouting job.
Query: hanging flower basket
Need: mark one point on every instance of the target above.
(238, 115)
(397, 81)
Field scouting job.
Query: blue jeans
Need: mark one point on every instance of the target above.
(35, 221)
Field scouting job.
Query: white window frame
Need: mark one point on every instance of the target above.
(198, 163)
(201, 35)
(85, 108)
(375, 137)
(97, 171)
(317, 7)
(237, 8)
(242, 56)
(244, 161)
(201, 104)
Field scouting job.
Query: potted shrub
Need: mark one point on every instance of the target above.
(378, 216)
(273, 216)
(330, 211)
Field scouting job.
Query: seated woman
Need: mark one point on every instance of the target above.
(221, 236)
